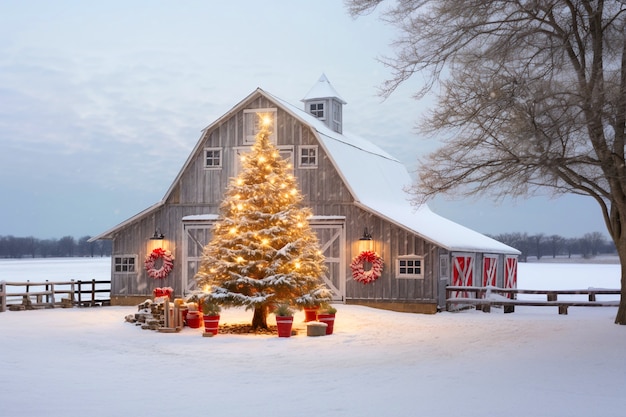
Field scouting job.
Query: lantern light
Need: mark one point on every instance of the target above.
(365, 241)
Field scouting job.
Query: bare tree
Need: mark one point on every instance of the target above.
(591, 244)
(537, 241)
(556, 245)
(519, 241)
(532, 98)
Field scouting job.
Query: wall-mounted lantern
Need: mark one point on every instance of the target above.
(365, 241)
(157, 235)
(156, 240)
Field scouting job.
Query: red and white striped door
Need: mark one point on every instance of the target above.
(490, 270)
(462, 273)
(510, 272)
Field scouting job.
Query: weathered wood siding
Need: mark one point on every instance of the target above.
(200, 191)
(389, 241)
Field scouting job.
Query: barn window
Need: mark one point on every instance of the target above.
(125, 263)
(308, 157)
(252, 124)
(317, 110)
(409, 267)
(212, 158)
(337, 118)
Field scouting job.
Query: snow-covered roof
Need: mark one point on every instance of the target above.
(201, 217)
(323, 89)
(378, 188)
(378, 182)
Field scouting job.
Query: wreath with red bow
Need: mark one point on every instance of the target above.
(360, 274)
(166, 265)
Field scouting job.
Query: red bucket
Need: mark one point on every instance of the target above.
(284, 326)
(193, 319)
(328, 319)
(211, 324)
(310, 314)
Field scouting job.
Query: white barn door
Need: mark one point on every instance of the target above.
(332, 239)
(195, 238)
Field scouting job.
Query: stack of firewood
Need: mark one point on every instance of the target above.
(164, 316)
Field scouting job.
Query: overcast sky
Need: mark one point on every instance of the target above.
(102, 102)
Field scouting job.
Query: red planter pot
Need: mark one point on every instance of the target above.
(329, 319)
(284, 325)
(310, 314)
(193, 319)
(211, 324)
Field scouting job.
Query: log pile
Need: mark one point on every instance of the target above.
(164, 316)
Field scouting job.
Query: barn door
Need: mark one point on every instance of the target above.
(510, 272)
(490, 270)
(195, 238)
(462, 273)
(332, 241)
(330, 236)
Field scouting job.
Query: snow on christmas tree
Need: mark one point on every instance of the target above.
(263, 251)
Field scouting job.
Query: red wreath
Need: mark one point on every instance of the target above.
(166, 265)
(361, 275)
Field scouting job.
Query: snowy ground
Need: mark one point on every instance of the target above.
(77, 362)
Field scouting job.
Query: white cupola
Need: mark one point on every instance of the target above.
(324, 102)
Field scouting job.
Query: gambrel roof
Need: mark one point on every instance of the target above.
(375, 179)
(377, 182)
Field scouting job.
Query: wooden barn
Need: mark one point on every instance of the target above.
(355, 190)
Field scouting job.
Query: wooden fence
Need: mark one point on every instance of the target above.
(32, 295)
(483, 298)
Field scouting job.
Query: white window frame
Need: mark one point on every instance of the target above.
(251, 124)
(301, 156)
(337, 116)
(444, 266)
(410, 258)
(316, 112)
(122, 264)
(219, 159)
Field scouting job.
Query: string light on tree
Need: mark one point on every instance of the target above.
(263, 251)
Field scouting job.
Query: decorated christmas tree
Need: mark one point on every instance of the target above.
(263, 251)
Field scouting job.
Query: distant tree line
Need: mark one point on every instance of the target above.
(541, 245)
(67, 246)
(537, 245)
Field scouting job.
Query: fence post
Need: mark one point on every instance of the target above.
(80, 293)
(3, 296)
(71, 295)
(93, 292)
(52, 298)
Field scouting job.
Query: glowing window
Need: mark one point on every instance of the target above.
(252, 119)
